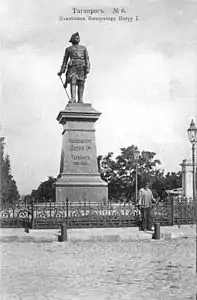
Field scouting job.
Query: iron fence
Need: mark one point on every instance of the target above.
(83, 214)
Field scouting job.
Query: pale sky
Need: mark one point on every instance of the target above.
(143, 79)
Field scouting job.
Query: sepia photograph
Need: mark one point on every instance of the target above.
(98, 149)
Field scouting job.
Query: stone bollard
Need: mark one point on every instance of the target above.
(26, 226)
(156, 234)
(63, 237)
(26, 229)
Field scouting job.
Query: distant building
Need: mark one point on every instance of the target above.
(175, 192)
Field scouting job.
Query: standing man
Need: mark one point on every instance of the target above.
(145, 202)
(76, 61)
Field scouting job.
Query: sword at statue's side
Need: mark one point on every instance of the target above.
(64, 88)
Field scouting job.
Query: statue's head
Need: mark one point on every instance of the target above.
(75, 38)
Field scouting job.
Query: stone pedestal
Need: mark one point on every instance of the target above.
(187, 178)
(79, 177)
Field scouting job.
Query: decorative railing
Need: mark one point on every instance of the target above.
(174, 213)
(14, 215)
(83, 214)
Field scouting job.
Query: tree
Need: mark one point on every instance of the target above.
(45, 191)
(108, 170)
(2, 144)
(173, 180)
(169, 181)
(158, 184)
(9, 191)
(119, 172)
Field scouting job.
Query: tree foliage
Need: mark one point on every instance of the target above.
(173, 180)
(9, 191)
(120, 173)
(45, 191)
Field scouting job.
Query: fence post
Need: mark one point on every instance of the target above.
(26, 227)
(194, 215)
(13, 211)
(50, 209)
(32, 213)
(67, 212)
(172, 206)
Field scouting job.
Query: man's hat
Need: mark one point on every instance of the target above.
(73, 37)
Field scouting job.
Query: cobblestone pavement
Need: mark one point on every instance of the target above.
(78, 270)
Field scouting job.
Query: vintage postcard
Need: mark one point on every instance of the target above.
(98, 134)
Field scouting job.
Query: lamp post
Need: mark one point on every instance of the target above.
(1, 163)
(192, 133)
(136, 154)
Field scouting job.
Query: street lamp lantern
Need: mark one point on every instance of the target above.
(136, 155)
(192, 133)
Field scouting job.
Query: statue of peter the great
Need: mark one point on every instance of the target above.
(77, 66)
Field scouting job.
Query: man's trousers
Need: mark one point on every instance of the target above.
(146, 218)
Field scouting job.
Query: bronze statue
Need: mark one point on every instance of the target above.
(77, 68)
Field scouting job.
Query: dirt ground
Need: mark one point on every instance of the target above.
(79, 269)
